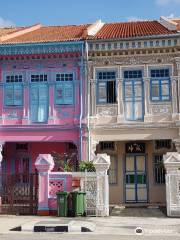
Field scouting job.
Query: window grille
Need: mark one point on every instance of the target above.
(107, 146)
(164, 143)
(159, 170)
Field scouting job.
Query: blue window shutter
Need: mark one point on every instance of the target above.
(102, 92)
(18, 94)
(68, 92)
(59, 95)
(39, 103)
(9, 94)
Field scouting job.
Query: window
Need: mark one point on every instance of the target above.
(163, 143)
(151, 43)
(139, 44)
(163, 42)
(159, 170)
(160, 85)
(133, 74)
(175, 42)
(127, 45)
(121, 45)
(133, 95)
(64, 90)
(133, 44)
(97, 46)
(14, 90)
(115, 45)
(106, 87)
(169, 42)
(109, 45)
(107, 146)
(113, 170)
(103, 46)
(39, 78)
(145, 44)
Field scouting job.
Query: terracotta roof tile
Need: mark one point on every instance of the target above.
(5, 31)
(51, 34)
(79, 32)
(131, 29)
(177, 20)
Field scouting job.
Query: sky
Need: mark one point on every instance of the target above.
(64, 12)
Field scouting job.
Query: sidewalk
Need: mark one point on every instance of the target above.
(99, 225)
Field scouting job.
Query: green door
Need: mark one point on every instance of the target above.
(135, 179)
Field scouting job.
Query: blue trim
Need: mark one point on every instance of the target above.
(134, 99)
(105, 81)
(64, 83)
(38, 85)
(12, 87)
(160, 84)
(136, 179)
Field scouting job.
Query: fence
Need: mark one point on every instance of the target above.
(95, 184)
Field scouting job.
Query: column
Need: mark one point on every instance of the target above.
(102, 163)
(120, 100)
(44, 164)
(51, 104)
(1, 103)
(1, 158)
(26, 106)
(174, 98)
(172, 166)
(76, 101)
(178, 86)
(93, 97)
(146, 98)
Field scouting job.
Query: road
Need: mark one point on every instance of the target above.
(66, 236)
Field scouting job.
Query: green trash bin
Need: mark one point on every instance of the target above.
(62, 204)
(78, 203)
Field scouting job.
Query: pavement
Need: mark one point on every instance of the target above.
(129, 222)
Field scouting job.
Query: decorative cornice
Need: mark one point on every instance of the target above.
(43, 48)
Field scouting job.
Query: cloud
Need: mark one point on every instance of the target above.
(167, 2)
(171, 15)
(6, 22)
(134, 19)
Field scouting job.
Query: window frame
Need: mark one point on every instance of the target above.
(13, 86)
(134, 99)
(105, 82)
(160, 80)
(60, 83)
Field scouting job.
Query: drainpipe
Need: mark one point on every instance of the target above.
(88, 101)
(81, 99)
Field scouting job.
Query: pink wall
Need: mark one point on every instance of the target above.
(58, 114)
(34, 149)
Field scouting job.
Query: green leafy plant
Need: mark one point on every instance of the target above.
(64, 162)
(87, 166)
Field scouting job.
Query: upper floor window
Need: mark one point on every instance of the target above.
(106, 87)
(13, 78)
(133, 74)
(160, 85)
(13, 92)
(64, 90)
(39, 78)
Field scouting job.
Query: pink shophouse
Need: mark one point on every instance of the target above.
(42, 97)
